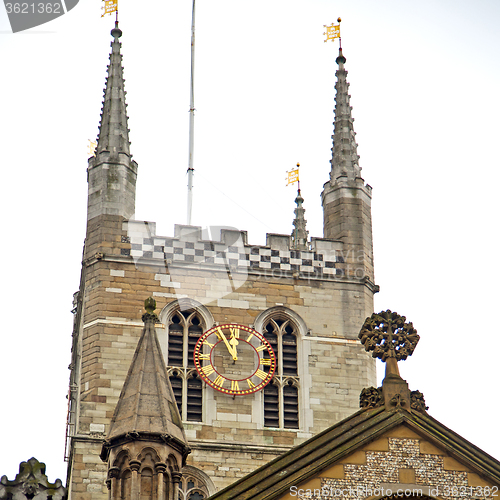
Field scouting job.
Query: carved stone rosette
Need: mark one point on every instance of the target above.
(371, 397)
(417, 401)
(389, 336)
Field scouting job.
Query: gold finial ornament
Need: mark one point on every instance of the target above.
(150, 305)
(338, 19)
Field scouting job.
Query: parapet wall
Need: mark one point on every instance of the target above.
(192, 247)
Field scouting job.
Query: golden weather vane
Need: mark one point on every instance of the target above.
(92, 145)
(333, 31)
(293, 175)
(109, 7)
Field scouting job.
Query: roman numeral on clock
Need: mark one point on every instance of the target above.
(265, 361)
(262, 375)
(234, 385)
(204, 356)
(208, 370)
(219, 380)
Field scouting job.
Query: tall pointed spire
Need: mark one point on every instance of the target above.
(346, 198)
(112, 174)
(113, 129)
(299, 235)
(147, 403)
(146, 434)
(345, 150)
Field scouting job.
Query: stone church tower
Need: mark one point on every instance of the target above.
(304, 298)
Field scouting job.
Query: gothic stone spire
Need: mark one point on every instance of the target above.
(112, 174)
(113, 129)
(346, 198)
(344, 151)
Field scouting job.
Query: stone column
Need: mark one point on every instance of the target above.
(160, 468)
(134, 489)
(176, 479)
(111, 483)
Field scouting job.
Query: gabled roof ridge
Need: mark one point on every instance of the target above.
(463, 449)
(268, 475)
(340, 440)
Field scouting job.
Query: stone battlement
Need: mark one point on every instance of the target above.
(193, 246)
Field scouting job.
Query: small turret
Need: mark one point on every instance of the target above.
(146, 446)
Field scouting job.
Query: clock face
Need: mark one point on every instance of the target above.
(234, 359)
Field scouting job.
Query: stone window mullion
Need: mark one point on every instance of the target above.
(184, 394)
(185, 343)
(282, 413)
(280, 355)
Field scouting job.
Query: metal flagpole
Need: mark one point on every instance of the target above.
(190, 170)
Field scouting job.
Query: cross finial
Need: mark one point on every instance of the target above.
(389, 336)
(150, 306)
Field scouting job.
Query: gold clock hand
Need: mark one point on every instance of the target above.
(234, 342)
(231, 350)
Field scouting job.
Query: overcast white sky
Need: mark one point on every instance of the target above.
(425, 82)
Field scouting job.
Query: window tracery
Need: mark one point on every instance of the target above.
(195, 484)
(281, 396)
(184, 327)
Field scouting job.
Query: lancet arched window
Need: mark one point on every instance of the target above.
(184, 327)
(281, 396)
(195, 484)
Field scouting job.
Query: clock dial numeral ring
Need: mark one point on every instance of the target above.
(234, 359)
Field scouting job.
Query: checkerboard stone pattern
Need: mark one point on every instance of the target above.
(323, 261)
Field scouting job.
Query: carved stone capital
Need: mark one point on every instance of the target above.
(134, 465)
(113, 472)
(160, 467)
(176, 477)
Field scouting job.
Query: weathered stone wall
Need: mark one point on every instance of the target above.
(347, 217)
(125, 262)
